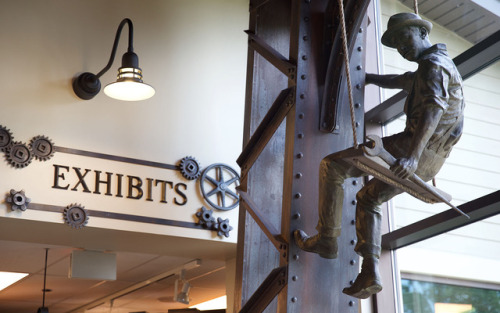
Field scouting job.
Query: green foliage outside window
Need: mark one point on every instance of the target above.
(420, 297)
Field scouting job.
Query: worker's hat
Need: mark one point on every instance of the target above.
(400, 20)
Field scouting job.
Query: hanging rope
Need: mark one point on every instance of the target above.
(415, 6)
(348, 73)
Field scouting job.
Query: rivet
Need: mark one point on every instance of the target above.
(303, 77)
(294, 299)
(298, 175)
(295, 278)
(302, 96)
(300, 136)
(354, 202)
(301, 115)
(298, 195)
(360, 48)
(361, 30)
(357, 124)
(296, 216)
(300, 155)
(351, 303)
(354, 182)
(295, 257)
(304, 57)
(357, 105)
(353, 222)
(353, 242)
(358, 86)
(359, 67)
(305, 38)
(352, 262)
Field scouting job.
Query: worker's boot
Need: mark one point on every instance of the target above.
(325, 246)
(368, 281)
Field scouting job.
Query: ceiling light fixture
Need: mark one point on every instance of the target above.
(9, 278)
(219, 303)
(128, 86)
(182, 296)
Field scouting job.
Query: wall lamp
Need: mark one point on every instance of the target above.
(128, 86)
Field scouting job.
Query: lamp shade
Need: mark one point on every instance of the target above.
(129, 89)
(129, 85)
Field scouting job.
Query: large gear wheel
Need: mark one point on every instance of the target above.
(76, 216)
(42, 148)
(190, 168)
(18, 200)
(218, 186)
(6, 138)
(19, 155)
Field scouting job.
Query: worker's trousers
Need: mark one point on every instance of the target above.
(368, 214)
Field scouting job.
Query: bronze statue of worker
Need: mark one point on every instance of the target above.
(434, 122)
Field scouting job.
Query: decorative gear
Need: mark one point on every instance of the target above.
(222, 226)
(6, 138)
(19, 155)
(18, 200)
(75, 216)
(205, 218)
(220, 177)
(42, 147)
(190, 168)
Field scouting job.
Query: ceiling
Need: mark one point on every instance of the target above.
(473, 20)
(139, 257)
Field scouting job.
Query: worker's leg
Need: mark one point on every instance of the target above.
(368, 230)
(331, 197)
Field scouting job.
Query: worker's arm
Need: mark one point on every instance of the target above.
(403, 81)
(431, 97)
(406, 166)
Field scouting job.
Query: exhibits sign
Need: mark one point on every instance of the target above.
(88, 187)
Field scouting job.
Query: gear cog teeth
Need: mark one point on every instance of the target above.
(75, 216)
(6, 139)
(18, 200)
(223, 228)
(190, 168)
(205, 218)
(19, 155)
(42, 147)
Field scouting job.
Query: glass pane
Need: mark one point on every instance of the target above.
(430, 297)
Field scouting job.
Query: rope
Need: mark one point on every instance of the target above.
(415, 6)
(348, 73)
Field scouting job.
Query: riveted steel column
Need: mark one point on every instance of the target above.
(315, 284)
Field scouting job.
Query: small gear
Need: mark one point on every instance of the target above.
(18, 200)
(205, 218)
(42, 148)
(75, 216)
(222, 226)
(19, 155)
(6, 138)
(190, 168)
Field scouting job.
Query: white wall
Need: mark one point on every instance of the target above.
(192, 51)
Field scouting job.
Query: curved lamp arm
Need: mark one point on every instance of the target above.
(115, 44)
